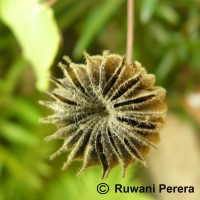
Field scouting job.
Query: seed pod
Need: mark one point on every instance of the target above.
(107, 112)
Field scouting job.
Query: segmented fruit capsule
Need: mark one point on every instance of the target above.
(107, 111)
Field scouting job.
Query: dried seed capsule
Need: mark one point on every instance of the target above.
(107, 112)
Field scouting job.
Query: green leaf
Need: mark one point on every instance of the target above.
(160, 33)
(12, 76)
(34, 27)
(17, 134)
(165, 66)
(25, 110)
(66, 18)
(94, 23)
(168, 13)
(18, 169)
(148, 8)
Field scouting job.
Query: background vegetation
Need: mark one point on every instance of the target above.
(34, 35)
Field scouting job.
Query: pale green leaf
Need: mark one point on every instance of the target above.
(34, 27)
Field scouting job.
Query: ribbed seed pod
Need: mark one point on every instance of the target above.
(107, 112)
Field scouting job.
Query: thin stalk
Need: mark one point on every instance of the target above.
(50, 2)
(130, 30)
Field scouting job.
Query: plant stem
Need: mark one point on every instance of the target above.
(50, 2)
(130, 29)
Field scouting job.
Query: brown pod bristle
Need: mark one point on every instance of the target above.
(107, 111)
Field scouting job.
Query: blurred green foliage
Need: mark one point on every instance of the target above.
(167, 42)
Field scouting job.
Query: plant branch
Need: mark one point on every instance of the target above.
(130, 30)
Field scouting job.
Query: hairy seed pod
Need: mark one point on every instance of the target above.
(107, 112)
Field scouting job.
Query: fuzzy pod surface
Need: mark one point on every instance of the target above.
(107, 111)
